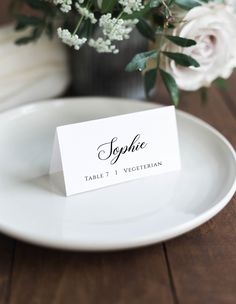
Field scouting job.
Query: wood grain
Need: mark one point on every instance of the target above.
(53, 277)
(203, 262)
(7, 247)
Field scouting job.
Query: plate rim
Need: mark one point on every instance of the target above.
(151, 238)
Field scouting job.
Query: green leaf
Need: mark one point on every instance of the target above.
(145, 29)
(107, 5)
(184, 42)
(187, 4)
(150, 80)
(40, 5)
(182, 59)
(139, 61)
(220, 83)
(24, 40)
(25, 21)
(171, 86)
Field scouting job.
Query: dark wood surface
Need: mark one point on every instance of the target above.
(196, 268)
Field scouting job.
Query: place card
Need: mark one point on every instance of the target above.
(107, 151)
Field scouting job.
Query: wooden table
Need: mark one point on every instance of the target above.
(196, 268)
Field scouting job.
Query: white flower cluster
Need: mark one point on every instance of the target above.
(116, 29)
(70, 39)
(86, 13)
(131, 6)
(112, 28)
(103, 45)
(65, 5)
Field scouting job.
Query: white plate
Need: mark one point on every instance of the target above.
(128, 215)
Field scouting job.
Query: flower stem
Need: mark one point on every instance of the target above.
(81, 20)
(167, 8)
(78, 25)
(120, 15)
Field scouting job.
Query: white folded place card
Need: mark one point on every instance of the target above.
(107, 151)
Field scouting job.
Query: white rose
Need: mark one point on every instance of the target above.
(213, 27)
(231, 4)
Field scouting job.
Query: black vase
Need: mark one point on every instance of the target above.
(104, 74)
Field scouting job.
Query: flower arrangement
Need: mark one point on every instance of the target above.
(192, 42)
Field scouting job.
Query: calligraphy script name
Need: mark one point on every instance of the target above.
(110, 150)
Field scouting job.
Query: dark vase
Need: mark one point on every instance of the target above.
(104, 74)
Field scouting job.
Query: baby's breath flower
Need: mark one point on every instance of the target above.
(85, 12)
(103, 46)
(70, 39)
(113, 29)
(65, 5)
(131, 6)
(116, 29)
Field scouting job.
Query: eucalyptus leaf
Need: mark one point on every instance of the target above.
(182, 59)
(150, 80)
(139, 61)
(184, 42)
(171, 86)
(145, 29)
(187, 4)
